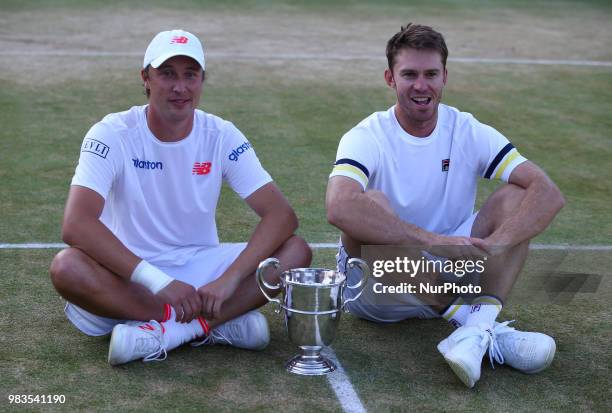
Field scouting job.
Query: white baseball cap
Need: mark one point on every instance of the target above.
(173, 43)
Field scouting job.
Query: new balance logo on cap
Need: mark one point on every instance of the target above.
(170, 43)
(179, 39)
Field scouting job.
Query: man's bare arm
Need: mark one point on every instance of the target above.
(542, 201)
(83, 229)
(278, 223)
(360, 217)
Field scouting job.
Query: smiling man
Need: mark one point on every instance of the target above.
(145, 260)
(408, 177)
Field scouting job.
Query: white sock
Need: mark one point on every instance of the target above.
(177, 334)
(484, 310)
(457, 312)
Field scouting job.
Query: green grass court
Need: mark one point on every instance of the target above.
(293, 77)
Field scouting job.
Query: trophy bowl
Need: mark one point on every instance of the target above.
(312, 300)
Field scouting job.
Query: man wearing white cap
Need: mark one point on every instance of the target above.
(140, 221)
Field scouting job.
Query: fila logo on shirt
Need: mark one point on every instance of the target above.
(201, 168)
(455, 323)
(445, 165)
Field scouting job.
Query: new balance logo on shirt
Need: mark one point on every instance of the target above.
(201, 168)
(147, 164)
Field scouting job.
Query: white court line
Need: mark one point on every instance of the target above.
(34, 246)
(562, 247)
(309, 56)
(333, 245)
(340, 383)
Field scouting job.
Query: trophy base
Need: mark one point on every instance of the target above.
(310, 365)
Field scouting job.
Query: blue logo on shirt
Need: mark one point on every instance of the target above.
(147, 164)
(96, 147)
(239, 151)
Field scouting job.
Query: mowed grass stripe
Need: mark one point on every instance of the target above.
(295, 130)
(307, 56)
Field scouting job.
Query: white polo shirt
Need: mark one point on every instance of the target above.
(431, 182)
(161, 197)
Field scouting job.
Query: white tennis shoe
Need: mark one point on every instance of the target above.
(464, 349)
(249, 331)
(137, 340)
(146, 340)
(527, 352)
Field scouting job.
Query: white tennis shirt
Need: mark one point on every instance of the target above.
(431, 182)
(161, 197)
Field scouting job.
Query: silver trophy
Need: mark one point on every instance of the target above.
(313, 302)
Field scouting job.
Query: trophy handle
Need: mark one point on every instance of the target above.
(365, 271)
(270, 262)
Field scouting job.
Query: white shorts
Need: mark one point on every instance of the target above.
(399, 306)
(204, 267)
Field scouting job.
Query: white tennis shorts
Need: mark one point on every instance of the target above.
(206, 266)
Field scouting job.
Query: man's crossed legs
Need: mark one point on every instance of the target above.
(477, 330)
(144, 327)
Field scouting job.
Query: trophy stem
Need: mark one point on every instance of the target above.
(310, 362)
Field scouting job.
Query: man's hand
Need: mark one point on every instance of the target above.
(214, 294)
(491, 247)
(183, 298)
(456, 247)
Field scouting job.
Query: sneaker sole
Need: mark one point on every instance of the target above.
(113, 343)
(265, 329)
(461, 372)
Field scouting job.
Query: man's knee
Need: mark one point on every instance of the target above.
(495, 210)
(67, 269)
(298, 250)
(294, 253)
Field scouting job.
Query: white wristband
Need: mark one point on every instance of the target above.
(151, 277)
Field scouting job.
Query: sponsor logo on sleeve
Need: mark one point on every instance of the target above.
(147, 164)
(96, 147)
(235, 154)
